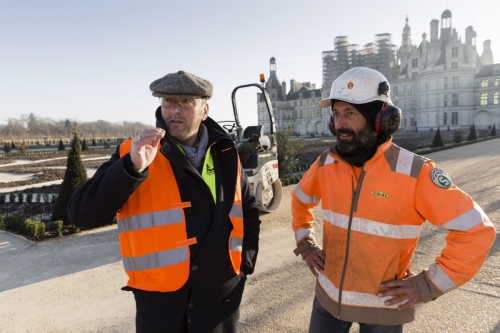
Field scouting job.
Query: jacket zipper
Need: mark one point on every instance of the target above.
(354, 205)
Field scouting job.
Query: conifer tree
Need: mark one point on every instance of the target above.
(85, 146)
(75, 175)
(93, 142)
(437, 142)
(13, 145)
(493, 131)
(472, 134)
(61, 146)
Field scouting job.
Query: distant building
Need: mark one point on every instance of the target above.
(487, 96)
(297, 110)
(380, 55)
(439, 83)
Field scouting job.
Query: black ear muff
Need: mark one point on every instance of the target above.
(331, 125)
(388, 120)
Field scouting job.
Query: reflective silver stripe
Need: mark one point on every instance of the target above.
(150, 220)
(156, 260)
(441, 279)
(236, 244)
(353, 297)
(236, 211)
(405, 161)
(303, 232)
(372, 227)
(305, 199)
(467, 220)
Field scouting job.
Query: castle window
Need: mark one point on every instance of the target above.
(300, 95)
(454, 100)
(454, 65)
(413, 89)
(455, 82)
(445, 118)
(445, 101)
(496, 82)
(414, 75)
(413, 105)
(484, 84)
(454, 118)
(483, 100)
(445, 84)
(312, 94)
(454, 52)
(414, 63)
(496, 97)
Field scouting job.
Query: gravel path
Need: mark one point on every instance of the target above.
(73, 284)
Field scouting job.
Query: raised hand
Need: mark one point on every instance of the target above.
(145, 147)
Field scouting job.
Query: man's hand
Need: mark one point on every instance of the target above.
(145, 146)
(403, 289)
(316, 261)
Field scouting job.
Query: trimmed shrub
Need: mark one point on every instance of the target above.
(58, 228)
(472, 134)
(34, 229)
(53, 198)
(29, 197)
(6, 147)
(494, 130)
(85, 146)
(14, 223)
(23, 149)
(457, 136)
(61, 146)
(2, 221)
(2, 199)
(74, 229)
(438, 141)
(287, 150)
(75, 175)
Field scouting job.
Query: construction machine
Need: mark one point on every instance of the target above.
(258, 152)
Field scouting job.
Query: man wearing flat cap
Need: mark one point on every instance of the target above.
(188, 223)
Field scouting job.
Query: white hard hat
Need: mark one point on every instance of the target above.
(359, 85)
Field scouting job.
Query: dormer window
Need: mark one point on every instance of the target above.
(300, 95)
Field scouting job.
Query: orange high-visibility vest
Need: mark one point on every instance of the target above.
(152, 230)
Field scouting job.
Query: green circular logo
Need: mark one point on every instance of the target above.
(440, 178)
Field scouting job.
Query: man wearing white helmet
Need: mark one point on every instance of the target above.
(375, 198)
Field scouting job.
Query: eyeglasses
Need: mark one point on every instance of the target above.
(184, 103)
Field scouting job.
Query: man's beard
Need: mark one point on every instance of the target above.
(362, 141)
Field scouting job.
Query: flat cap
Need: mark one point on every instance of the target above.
(181, 85)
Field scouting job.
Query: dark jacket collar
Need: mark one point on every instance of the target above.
(215, 131)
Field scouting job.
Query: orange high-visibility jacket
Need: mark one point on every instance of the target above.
(152, 230)
(371, 226)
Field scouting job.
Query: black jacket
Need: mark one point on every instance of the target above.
(209, 301)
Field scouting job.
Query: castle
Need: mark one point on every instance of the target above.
(442, 82)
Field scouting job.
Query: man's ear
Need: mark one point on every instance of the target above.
(206, 108)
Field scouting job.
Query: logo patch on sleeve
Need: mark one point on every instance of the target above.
(440, 178)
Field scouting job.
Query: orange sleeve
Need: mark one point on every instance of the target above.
(470, 232)
(305, 196)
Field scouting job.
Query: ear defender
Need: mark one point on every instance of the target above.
(331, 125)
(388, 120)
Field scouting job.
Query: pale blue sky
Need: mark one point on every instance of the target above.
(94, 59)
